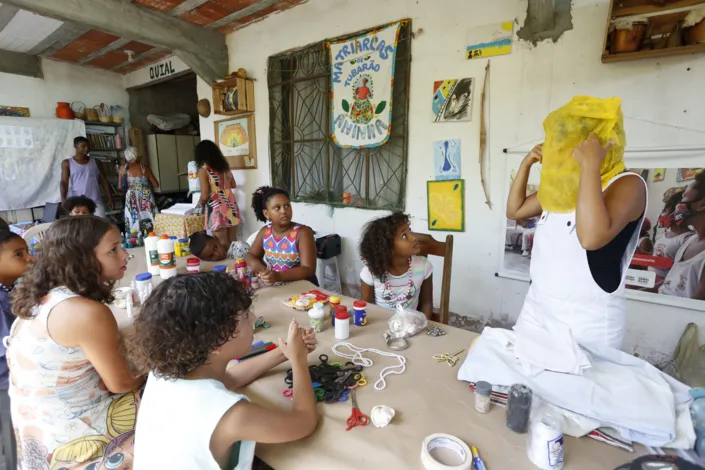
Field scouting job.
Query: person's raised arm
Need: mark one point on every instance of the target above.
(121, 173)
(150, 176)
(256, 254)
(250, 422)
(244, 373)
(65, 175)
(519, 205)
(91, 326)
(307, 268)
(600, 217)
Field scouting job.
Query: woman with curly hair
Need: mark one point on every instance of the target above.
(394, 274)
(64, 350)
(217, 196)
(283, 250)
(187, 333)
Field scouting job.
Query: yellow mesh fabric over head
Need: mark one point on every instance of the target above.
(567, 127)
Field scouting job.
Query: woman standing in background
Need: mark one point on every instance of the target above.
(217, 184)
(140, 206)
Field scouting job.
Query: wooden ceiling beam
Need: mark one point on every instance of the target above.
(20, 64)
(202, 48)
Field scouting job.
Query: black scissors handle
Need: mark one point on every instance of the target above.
(323, 358)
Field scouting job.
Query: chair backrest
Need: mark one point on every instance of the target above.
(51, 212)
(431, 246)
(36, 232)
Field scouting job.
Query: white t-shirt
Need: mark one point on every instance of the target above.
(421, 269)
(683, 278)
(175, 423)
(667, 247)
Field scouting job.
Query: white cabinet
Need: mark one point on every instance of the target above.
(168, 157)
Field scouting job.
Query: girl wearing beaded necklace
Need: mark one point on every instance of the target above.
(394, 274)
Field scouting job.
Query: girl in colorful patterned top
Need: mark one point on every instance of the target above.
(74, 400)
(217, 196)
(283, 251)
(394, 274)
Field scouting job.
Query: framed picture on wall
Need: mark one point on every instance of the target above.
(659, 271)
(236, 139)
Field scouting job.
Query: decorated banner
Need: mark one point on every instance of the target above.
(362, 83)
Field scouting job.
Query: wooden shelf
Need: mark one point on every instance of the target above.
(107, 124)
(107, 150)
(653, 54)
(245, 96)
(644, 7)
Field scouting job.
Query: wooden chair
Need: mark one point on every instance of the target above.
(431, 246)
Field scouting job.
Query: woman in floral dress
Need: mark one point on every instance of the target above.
(140, 206)
(217, 185)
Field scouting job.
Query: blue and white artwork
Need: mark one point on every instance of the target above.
(446, 159)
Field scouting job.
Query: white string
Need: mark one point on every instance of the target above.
(359, 360)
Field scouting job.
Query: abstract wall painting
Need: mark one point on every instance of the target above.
(453, 99)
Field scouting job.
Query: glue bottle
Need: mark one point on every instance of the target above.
(150, 248)
(167, 257)
(342, 323)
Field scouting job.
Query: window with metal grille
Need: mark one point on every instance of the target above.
(304, 158)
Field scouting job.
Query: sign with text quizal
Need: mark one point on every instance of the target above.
(362, 84)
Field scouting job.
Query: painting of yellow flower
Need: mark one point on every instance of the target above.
(446, 205)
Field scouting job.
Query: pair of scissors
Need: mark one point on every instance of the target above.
(336, 392)
(319, 393)
(450, 359)
(361, 382)
(357, 418)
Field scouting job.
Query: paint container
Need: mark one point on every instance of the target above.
(167, 257)
(334, 303)
(221, 268)
(143, 286)
(193, 265)
(483, 390)
(519, 408)
(316, 317)
(150, 248)
(545, 443)
(360, 313)
(342, 323)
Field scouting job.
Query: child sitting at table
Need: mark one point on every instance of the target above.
(14, 259)
(393, 273)
(187, 333)
(283, 250)
(79, 205)
(209, 248)
(65, 354)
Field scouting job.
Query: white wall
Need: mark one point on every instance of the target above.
(61, 82)
(524, 87)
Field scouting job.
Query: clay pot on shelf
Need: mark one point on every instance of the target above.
(695, 34)
(63, 111)
(627, 39)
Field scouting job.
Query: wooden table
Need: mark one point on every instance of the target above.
(428, 398)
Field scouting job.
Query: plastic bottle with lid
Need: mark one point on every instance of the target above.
(220, 268)
(167, 257)
(342, 323)
(315, 317)
(334, 304)
(152, 253)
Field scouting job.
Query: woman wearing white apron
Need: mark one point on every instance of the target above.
(579, 258)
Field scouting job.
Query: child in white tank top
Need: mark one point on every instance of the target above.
(188, 331)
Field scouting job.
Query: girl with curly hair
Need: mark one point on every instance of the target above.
(64, 350)
(217, 192)
(394, 274)
(283, 250)
(187, 334)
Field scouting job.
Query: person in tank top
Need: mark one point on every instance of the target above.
(579, 259)
(81, 175)
(685, 279)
